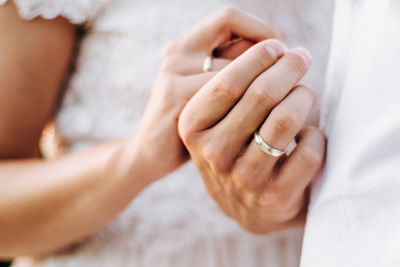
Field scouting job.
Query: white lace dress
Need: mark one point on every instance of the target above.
(174, 222)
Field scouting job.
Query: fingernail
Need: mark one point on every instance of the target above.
(275, 48)
(304, 54)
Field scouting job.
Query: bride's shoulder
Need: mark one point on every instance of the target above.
(76, 11)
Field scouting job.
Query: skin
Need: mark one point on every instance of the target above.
(46, 205)
(34, 59)
(258, 90)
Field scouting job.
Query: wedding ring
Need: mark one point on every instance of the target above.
(267, 148)
(207, 65)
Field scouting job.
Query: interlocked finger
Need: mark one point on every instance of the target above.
(279, 129)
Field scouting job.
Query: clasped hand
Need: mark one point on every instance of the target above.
(253, 86)
(258, 90)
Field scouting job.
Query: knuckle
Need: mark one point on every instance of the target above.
(228, 14)
(185, 129)
(170, 57)
(211, 152)
(264, 95)
(296, 63)
(226, 89)
(284, 120)
(318, 134)
(168, 88)
(171, 49)
(168, 65)
(311, 157)
(311, 94)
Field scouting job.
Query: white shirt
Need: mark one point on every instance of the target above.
(354, 215)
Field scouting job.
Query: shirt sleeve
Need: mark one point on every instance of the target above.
(76, 11)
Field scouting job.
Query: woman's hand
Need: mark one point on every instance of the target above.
(181, 76)
(256, 91)
(46, 205)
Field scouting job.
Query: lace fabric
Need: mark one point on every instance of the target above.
(77, 11)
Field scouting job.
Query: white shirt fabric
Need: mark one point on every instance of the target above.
(354, 215)
(174, 222)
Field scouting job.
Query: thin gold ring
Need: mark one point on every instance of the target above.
(207, 64)
(267, 148)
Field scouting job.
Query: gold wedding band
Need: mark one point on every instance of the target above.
(207, 65)
(267, 148)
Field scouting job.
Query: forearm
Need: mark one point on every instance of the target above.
(45, 205)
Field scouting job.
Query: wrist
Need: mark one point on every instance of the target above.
(132, 165)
